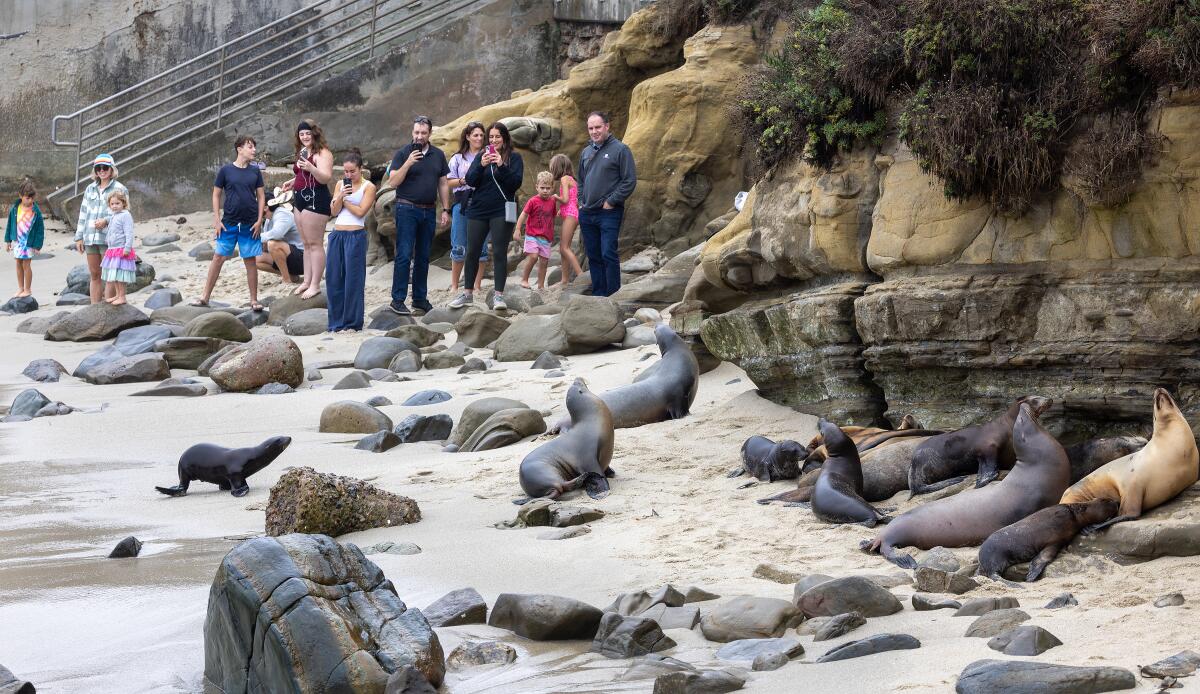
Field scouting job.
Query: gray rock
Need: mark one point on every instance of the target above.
(747, 617)
(530, 336)
(378, 352)
(406, 362)
(163, 298)
(518, 298)
(697, 594)
(9, 684)
(473, 365)
(805, 583)
(1170, 600)
(350, 417)
(546, 360)
(769, 661)
(839, 625)
(378, 442)
(566, 534)
(128, 548)
(416, 334)
(443, 314)
(700, 682)
(286, 306)
(160, 238)
(275, 389)
(464, 606)
(428, 397)
(567, 516)
(503, 428)
(652, 665)
(379, 401)
(397, 548)
(647, 316)
(53, 409)
(218, 324)
(628, 637)
(381, 375)
(631, 604)
(931, 580)
(1019, 677)
(313, 374)
(44, 370)
(141, 339)
(416, 427)
(879, 643)
(473, 415)
(443, 360)
(189, 352)
(480, 328)
(923, 602)
(38, 325)
(471, 654)
(592, 322)
(941, 559)
(168, 248)
(1181, 664)
(408, 680)
(73, 299)
(20, 304)
(682, 617)
(28, 402)
(180, 314)
(311, 321)
(253, 319)
(186, 390)
(353, 381)
(554, 374)
(849, 594)
(136, 369)
(980, 606)
(1062, 600)
(459, 348)
(383, 319)
(996, 622)
(545, 617)
(638, 336)
(1026, 639)
(750, 649)
(95, 322)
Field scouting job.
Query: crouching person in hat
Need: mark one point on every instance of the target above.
(283, 249)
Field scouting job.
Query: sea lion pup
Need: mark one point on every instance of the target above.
(837, 495)
(1167, 465)
(884, 470)
(576, 458)
(227, 468)
(947, 459)
(1039, 537)
(668, 394)
(1036, 481)
(1086, 457)
(770, 461)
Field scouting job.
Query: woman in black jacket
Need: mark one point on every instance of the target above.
(495, 176)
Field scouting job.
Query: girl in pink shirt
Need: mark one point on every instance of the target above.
(568, 199)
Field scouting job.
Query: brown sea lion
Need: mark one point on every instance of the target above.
(1039, 537)
(576, 458)
(770, 461)
(884, 469)
(1037, 479)
(947, 459)
(1142, 480)
(1087, 457)
(837, 495)
(866, 438)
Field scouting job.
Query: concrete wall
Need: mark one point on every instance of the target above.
(607, 11)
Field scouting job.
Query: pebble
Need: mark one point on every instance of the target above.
(1170, 600)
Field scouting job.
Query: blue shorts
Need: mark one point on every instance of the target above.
(249, 247)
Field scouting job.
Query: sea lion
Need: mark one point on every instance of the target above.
(837, 495)
(770, 461)
(866, 438)
(227, 468)
(1037, 479)
(668, 394)
(1088, 456)
(1167, 465)
(947, 459)
(1039, 537)
(576, 458)
(884, 469)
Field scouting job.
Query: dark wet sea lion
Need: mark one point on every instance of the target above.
(1090, 455)
(1039, 537)
(1154, 475)
(227, 468)
(769, 461)
(576, 458)
(837, 495)
(884, 469)
(668, 394)
(947, 459)
(1037, 480)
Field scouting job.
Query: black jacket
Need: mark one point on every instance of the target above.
(486, 199)
(606, 174)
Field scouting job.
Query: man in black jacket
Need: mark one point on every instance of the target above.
(607, 178)
(418, 174)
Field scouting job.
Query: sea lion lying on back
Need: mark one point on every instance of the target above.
(1039, 537)
(968, 518)
(1154, 475)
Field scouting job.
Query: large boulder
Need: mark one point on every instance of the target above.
(352, 417)
(78, 279)
(307, 501)
(591, 322)
(180, 314)
(141, 339)
(19, 304)
(848, 594)
(662, 288)
(189, 352)
(465, 606)
(876, 643)
(629, 637)
(504, 428)
(480, 328)
(416, 427)
(747, 617)
(263, 360)
(1016, 677)
(44, 370)
(477, 413)
(219, 325)
(312, 321)
(378, 352)
(305, 613)
(545, 617)
(96, 322)
(517, 298)
(150, 366)
(283, 307)
(530, 336)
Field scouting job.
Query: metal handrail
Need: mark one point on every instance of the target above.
(143, 122)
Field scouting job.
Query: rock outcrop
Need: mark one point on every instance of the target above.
(307, 501)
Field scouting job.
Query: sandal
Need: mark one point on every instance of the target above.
(198, 302)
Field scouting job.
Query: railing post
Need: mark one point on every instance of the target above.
(374, 14)
(78, 157)
(221, 87)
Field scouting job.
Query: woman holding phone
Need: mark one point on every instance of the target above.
(470, 144)
(495, 175)
(347, 280)
(311, 199)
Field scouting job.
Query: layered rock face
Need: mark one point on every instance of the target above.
(959, 310)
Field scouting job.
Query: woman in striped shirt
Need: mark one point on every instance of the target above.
(93, 219)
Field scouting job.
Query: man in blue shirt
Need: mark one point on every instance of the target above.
(418, 175)
(607, 177)
(241, 185)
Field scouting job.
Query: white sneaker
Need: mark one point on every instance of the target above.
(460, 300)
(498, 302)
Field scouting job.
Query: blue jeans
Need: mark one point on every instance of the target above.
(458, 236)
(346, 279)
(414, 236)
(600, 229)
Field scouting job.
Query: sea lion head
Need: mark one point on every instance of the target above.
(1095, 511)
(580, 400)
(836, 441)
(908, 422)
(665, 337)
(277, 444)
(1037, 404)
(1165, 409)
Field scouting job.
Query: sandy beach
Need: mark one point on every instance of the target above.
(72, 486)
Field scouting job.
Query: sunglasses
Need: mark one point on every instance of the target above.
(103, 167)
(423, 119)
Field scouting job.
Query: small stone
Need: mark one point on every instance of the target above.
(44, 370)
(416, 427)
(27, 403)
(127, 548)
(1026, 639)
(931, 580)
(923, 602)
(567, 516)
(698, 682)
(627, 637)
(849, 594)
(1181, 664)
(471, 654)
(378, 401)
(778, 574)
(940, 558)
(473, 365)
(682, 617)
(399, 548)
(275, 389)
(406, 362)
(426, 397)
(545, 617)
(536, 513)
(565, 533)
(980, 606)
(747, 617)
(464, 606)
(1063, 600)
(839, 625)
(353, 381)
(1170, 600)
(697, 594)
(554, 374)
(313, 374)
(879, 643)
(749, 649)
(996, 622)
(546, 360)
(769, 661)
(444, 360)
(378, 442)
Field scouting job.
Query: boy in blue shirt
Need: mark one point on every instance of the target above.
(241, 185)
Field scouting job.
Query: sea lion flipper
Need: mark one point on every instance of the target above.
(596, 486)
(936, 486)
(609, 472)
(736, 472)
(172, 491)
(1093, 529)
(522, 501)
(1040, 562)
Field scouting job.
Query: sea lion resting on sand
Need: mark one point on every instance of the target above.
(884, 471)
(1039, 537)
(227, 468)
(668, 394)
(1149, 477)
(576, 458)
(837, 496)
(770, 461)
(1036, 481)
(947, 459)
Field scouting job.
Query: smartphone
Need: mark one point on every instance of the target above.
(491, 149)
(347, 183)
(304, 153)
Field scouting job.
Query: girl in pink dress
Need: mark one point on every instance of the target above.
(568, 199)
